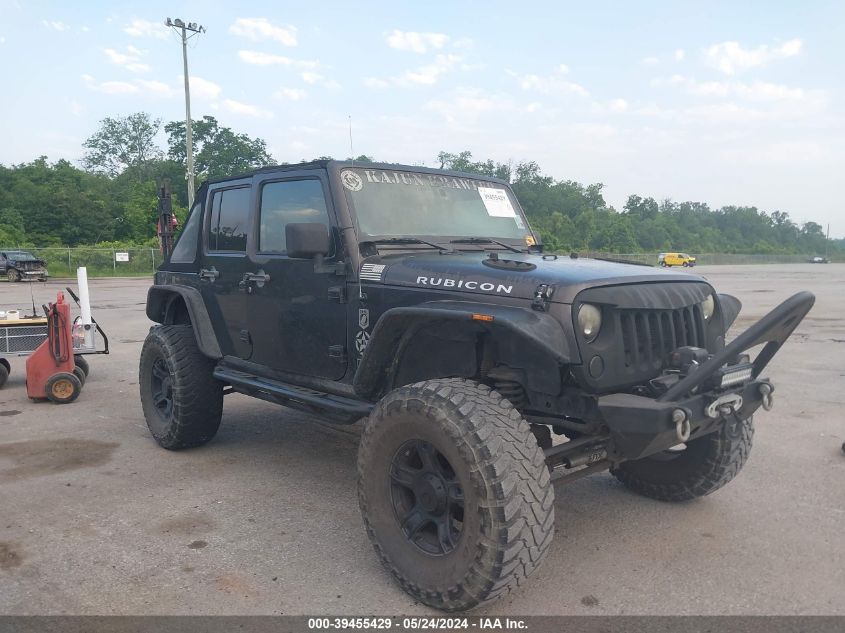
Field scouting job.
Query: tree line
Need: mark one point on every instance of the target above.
(112, 198)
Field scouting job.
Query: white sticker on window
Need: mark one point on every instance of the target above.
(496, 202)
(519, 223)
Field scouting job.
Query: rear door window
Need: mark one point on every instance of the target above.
(228, 226)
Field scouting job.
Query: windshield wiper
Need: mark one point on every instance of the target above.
(486, 240)
(408, 240)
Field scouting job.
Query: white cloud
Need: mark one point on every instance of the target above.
(730, 57)
(649, 61)
(110, 87)
(290, 94)
(155, 88)
(416, 42)
(257, 58)
(203, 88)
(753, 91)
(55, 25)
(680, 55)
(429, 74)
(145, 28)
(247, 109)
(468, 104)
(259, 29)
(2, 40)
(563, 69)
(76, 108)
(317, 79)
(618, 105)
(374, 82)
(130, 60)
(551, 85)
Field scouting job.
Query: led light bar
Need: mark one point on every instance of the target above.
(737, 376)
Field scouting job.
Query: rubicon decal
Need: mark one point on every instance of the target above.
(468, 284)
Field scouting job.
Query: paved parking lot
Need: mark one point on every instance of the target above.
(96, 519)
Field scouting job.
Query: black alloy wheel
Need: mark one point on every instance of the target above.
(427, 498)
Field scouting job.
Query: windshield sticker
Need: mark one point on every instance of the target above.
(497, 203)
(351, 180)
(519, 223)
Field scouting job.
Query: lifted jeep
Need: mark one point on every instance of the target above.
(421, 301)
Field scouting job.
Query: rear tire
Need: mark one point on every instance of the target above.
(181, 399)
(704, 466)
(82, 364)
(454, 492)
(4, 373)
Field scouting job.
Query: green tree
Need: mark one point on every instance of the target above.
(218, 151)
(123, 144)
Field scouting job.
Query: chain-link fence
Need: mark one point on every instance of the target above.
(100, 262)
(128, 262)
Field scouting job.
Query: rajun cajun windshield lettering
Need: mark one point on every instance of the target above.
(389, 202)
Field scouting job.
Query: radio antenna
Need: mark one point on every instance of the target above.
(351, 150)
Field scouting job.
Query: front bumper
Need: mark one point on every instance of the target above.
(641, 426)
(33, 274)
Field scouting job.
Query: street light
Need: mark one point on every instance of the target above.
(189, 147)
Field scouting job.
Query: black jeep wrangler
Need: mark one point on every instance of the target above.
(421, 302)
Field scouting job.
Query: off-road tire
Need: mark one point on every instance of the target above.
(508, 512)
(707, 464)
(13, 275)
(82, 363)
(4, 374)
(196, 396)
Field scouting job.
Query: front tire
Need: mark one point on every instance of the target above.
(13, 276)
(704, 466)
(181, 399)
(454, 492)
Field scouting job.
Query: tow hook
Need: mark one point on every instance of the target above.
(723, 405)
(767, 396)
(682, 425)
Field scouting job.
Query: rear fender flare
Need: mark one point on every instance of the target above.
(536, 334)
(161, 298)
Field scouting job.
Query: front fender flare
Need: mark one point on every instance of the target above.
(535, 331)
(159, 298)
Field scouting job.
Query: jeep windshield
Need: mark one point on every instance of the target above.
(404, 203)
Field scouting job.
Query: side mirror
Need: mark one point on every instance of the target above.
(307, 240)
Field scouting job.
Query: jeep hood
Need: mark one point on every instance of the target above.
(511, 275)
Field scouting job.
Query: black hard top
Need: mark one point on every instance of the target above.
(341, 164)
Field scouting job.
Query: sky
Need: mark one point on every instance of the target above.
(719, 102)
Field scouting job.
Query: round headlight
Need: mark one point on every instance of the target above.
(589, 320)
(708, 306)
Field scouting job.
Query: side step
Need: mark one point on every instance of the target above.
(340, 408)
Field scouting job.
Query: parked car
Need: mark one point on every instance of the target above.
(19, 265)
(675, 259)
(818, 259)
(420, 302)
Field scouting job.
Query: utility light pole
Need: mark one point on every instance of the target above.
(183, 29)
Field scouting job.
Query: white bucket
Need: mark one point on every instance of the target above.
(2, 315)
(13, 315)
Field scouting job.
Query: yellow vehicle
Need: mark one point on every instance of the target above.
(675, 259)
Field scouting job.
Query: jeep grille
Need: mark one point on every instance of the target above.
(648, 336)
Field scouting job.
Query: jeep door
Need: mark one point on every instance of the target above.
(297, 320)
(224, 264)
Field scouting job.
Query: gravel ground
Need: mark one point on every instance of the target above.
(96, 519)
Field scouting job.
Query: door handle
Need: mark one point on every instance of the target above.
(259, 279)
(209, 273)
